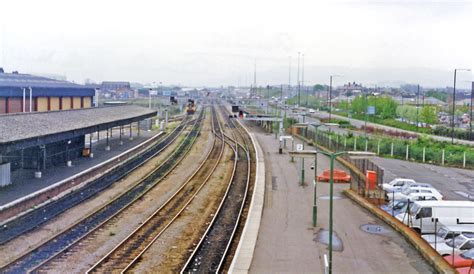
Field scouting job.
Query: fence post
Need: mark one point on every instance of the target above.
(407, 153)
(355, 143)
(378, 147)
(464, 160)
(391, 150)
(424, 153)
(442, 157)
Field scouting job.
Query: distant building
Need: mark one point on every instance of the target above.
(46, 94)
(118, 90)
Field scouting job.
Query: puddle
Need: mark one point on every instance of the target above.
(327, 197)
(323, 237)
(374, 229)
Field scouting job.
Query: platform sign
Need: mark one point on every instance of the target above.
(299, 147)
(371, 110)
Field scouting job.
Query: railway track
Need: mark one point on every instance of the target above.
(61, 243)
(39, 216)
(211, 251)
(129, 252)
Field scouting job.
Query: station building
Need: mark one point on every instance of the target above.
(39, 140)
(29, 93)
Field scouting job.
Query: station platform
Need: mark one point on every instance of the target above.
(24, 183)
(288, 243)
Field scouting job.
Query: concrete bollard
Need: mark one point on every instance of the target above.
(391, 150)
(69, 163)
(424, 154)
(107, 148)
(407, 152)
(464, 160)
(378, 147)
(442, 157)
(355, 143)
(91, 155)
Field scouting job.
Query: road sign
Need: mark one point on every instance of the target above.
(371, 110)
(299, 147)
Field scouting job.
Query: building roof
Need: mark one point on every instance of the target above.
(41, 127)
(27, 80)
(12, 84)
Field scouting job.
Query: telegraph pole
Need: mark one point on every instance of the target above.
(298, 78)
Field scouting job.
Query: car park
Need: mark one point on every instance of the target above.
(461, 260)
(457, 245)
(397, 184)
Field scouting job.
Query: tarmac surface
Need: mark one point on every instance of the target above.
(453, 183)
(287, 242)
(24, 183)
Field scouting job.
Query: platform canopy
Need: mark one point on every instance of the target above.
(22, 130)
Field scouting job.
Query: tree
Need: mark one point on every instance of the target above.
(318, 87)
(428, 115)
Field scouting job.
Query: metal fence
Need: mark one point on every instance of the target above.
(337, 143)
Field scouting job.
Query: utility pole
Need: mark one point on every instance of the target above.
(298, 78)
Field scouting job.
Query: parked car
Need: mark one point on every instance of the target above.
(462, 260)
(395, 206)
(457, 245)
(422, 214)
(446, 232)
(397, 184)
(311, 110)
(416, 193)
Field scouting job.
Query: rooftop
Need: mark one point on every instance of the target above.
(25, 126)
(27, 80)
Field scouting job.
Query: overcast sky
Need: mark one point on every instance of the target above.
(216, 42)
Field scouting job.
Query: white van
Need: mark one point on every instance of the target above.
(422, 214)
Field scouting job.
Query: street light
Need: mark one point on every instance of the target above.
(454, 103)
(332, 156)
(330, 91)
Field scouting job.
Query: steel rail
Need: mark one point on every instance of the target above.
(98, 211)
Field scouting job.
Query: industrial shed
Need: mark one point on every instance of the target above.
(29, 93)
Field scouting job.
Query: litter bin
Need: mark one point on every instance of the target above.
(371, 180)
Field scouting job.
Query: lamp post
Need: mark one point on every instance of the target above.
(298, 79)
(454, 103)
(332, 156)
(470, 116)
(417, 105)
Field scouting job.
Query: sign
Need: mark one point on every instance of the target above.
(299, 147)
(371, 110)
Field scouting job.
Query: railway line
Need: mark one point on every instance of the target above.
(212, 250)
(128, 253)
(63, 242)
(39, 216)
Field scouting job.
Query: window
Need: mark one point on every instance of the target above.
(424, 213)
